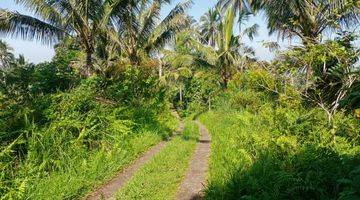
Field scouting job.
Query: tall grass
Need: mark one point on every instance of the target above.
(281, 154)
(268, 143)
(74, 140)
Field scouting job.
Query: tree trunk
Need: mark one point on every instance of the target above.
(309, 74)
(160, 70)
(226, 83)
(134, 58)
(89, 63)
(225, 78)
(209, 103)
(180, 93)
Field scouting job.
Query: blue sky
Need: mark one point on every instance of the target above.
(37, 52)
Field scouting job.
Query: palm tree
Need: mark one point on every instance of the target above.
(231, 50)
(141, 33)
(6, 56)
(209, 24)
(308, 19)
(241, 8)
(189, 52)
(227, 57)
(188, 56)
(84, 19)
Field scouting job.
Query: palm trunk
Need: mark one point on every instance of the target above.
(226, 83)
(89, 63)
(160, 70)
(180, 93)
(89, 59)
(134, 59)
(309, 74)
(225, 78)
(209, 103)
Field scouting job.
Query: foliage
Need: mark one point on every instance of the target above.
(352, 101)
(137, 86)
(241, 8)
(189, 70)
(211, 49)
(308, 19)
(142, 34)
(104, 28)
(94, 120)
(282, 130)
(277, 152)
(6, 56)
(260, 83)
(209, 24)
(330, 71)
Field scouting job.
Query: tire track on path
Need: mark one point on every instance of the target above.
(194, 183)
(109, 189)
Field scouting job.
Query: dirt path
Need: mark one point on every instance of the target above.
(193, 185)
(108, 190)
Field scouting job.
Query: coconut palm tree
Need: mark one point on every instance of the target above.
(6, 56)
(209, 24)
(142, 33)
(238, 6)
(85, 19)
(227, 57)
(189, 52)
(241, 8)
(231, 50)
(308, 19)
(189, 55)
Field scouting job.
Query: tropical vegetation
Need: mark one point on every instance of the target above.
(288, 128)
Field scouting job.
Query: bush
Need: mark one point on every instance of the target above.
(268, 87)
(247, 99)
(55, 123)
(267, 145)
(279, 157)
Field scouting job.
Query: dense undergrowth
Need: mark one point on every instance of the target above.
(285, 129)
(59, 141)
(268, 145)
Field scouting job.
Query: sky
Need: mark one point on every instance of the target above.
(37, 52)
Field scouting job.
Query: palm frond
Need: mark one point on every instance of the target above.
(272, 46)
(308, 19)
(228, 28)
(173, 23)
(252, 31)
(148, 21)
(27, 27)
(44, 9)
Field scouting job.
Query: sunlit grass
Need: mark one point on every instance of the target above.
(253, 157)
(79, 179)
(89, 170)
(161, 177)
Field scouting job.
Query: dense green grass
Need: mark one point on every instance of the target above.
(254, 157)
(83, 174)
(61, 145)
(161, 177)
(80, 178)
(228, 151)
